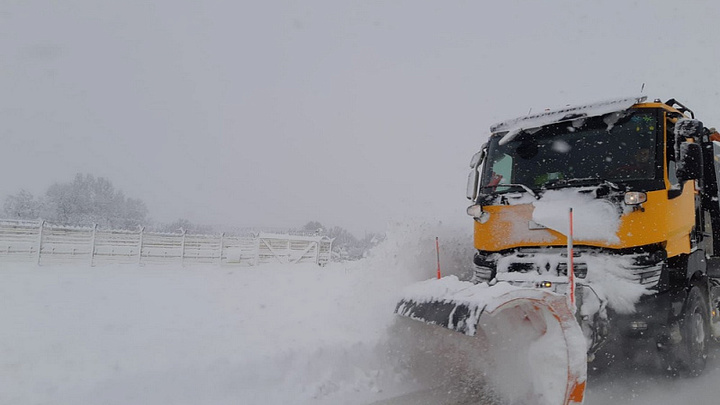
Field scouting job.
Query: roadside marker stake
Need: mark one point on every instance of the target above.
(437, 249)
(571, 267)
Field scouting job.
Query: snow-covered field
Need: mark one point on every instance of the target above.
(273, 334)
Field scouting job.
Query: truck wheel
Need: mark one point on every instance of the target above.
(695, 333)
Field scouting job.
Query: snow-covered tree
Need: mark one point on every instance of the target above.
(91, 200)
(313, 227)
(23, 205)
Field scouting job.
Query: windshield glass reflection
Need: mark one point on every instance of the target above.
(571, 153)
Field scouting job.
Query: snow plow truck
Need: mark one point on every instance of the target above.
(593, 224)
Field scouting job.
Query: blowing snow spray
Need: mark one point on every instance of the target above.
(535, 344)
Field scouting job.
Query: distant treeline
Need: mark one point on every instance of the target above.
(85, 201)
(89, 200)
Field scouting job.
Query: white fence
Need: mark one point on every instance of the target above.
(50, 244)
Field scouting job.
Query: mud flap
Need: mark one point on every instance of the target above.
(540, 349)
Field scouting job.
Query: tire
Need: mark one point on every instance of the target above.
(695, 333)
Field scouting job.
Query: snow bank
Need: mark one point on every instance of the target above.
(152, 335)
(271, 334)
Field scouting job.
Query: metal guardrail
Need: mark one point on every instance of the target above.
(45, 244)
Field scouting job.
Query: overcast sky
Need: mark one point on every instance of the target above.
(353, 113)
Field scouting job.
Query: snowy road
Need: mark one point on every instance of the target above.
(631, 387)
(440, 396)
(271, 334)
(641, 387)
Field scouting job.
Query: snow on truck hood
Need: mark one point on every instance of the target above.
(593, 218)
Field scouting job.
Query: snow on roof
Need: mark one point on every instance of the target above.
(516, 125)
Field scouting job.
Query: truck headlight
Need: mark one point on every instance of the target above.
(635, 197)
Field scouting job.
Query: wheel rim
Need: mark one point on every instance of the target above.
(698, 327)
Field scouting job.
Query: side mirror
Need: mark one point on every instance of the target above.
(472, 184)
(474, 177)
(689, 165)
(478, 157)
(684, 129)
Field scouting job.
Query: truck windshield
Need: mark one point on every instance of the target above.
(577, 152)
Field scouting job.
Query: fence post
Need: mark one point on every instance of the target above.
(257, 250)
(288, 250)
(317, 252)
(222, 243)
(92, 244)
(140, 243)
(40, 239)
(182, 248)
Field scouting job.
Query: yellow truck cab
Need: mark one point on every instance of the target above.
(641, 179)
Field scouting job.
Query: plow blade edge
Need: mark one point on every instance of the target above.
(534, 329)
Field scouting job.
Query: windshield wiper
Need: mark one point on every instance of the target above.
(522, 186)
(588, 181)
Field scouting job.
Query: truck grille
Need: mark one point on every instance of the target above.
(647, 276)
(644, 268)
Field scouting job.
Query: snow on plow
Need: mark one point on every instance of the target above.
(533, 333)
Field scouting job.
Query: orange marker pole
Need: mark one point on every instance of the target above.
(437, 249)
(571, 266)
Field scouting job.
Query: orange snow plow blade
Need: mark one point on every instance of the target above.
(532, 332)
